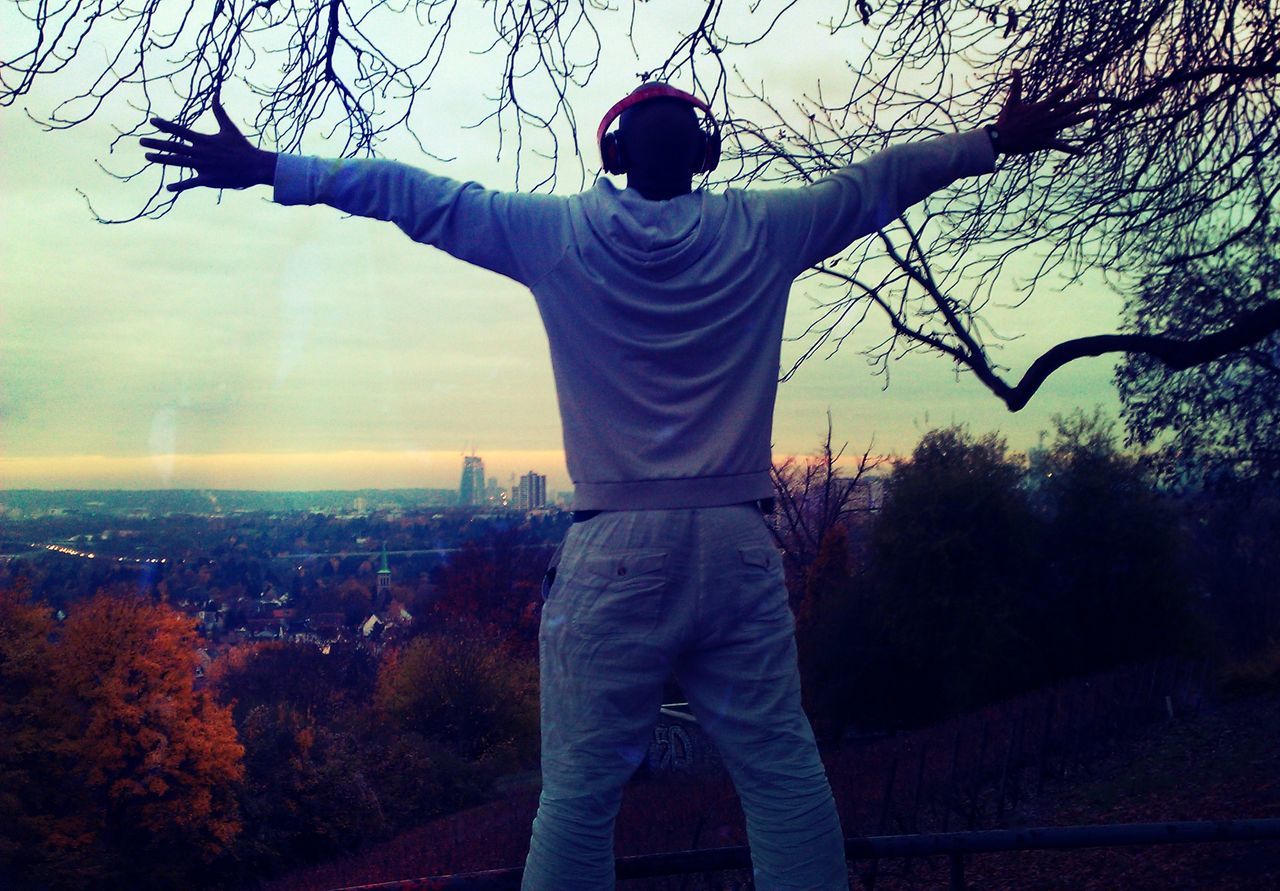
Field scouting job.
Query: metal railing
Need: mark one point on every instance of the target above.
(953, 845)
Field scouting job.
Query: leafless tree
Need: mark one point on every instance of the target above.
(815, 494)
(1180, 163)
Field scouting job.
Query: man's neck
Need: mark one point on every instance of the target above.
(660, 190)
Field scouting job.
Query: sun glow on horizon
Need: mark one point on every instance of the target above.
(285, 471)
(303, 471)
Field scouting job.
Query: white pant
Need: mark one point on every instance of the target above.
(637, 595)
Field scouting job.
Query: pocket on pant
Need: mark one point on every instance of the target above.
(762, 585)
(616, 593)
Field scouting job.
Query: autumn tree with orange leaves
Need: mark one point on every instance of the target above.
(118, 772)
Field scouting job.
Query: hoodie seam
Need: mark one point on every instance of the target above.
(554, 265)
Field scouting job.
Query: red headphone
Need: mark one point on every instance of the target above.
(611, 147)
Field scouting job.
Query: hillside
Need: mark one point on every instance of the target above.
(1221, 763)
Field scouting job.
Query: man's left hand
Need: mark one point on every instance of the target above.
(222, 160)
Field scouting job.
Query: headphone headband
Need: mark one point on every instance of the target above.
(644, 93)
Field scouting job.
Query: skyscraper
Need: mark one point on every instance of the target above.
(532, 491)
(471, 489)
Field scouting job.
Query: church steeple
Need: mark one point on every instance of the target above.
(384, 579)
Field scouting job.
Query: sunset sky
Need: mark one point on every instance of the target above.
(245, 345)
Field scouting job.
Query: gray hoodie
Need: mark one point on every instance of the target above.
(664, 318)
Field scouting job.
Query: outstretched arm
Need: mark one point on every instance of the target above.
(520, 236)
(222, 160)
(822, 219)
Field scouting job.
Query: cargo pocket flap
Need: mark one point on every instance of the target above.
(765, 558)
(627, 563)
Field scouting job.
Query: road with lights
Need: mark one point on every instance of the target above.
(92, 555)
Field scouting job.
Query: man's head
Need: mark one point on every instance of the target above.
(659, 138)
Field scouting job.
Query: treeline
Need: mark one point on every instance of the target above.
(983, 574)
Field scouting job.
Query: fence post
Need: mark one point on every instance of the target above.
(697, 837)
(1117, 706)
(1004, 772)
(869, 877)
(1166, 684)
(1072, 730)
(1081, 734)
(888, 794)
(1020, 759)
(915, 805)
(1094, 736)
(1151, 686)
(976, 789)
(957, 872)
(1045, 740)
(1129, 703)
(1193, 685)
(1204, 683)
(953, 784)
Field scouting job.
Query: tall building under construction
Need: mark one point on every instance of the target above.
(471, 488)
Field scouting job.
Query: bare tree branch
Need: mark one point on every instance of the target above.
(814, 495)
(1176, 353)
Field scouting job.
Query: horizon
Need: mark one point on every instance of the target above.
(166, 473)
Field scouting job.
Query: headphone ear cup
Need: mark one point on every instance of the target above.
(611, 154)
(711, 151)
(700, 153)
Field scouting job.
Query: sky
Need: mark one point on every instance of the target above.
(239, 344)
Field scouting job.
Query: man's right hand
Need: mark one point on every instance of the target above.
(1025, 126)
(222, 160)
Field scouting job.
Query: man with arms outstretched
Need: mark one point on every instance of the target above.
(663, 308)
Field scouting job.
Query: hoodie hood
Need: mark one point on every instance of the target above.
(660, 237)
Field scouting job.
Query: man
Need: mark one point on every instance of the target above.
(663, 308)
